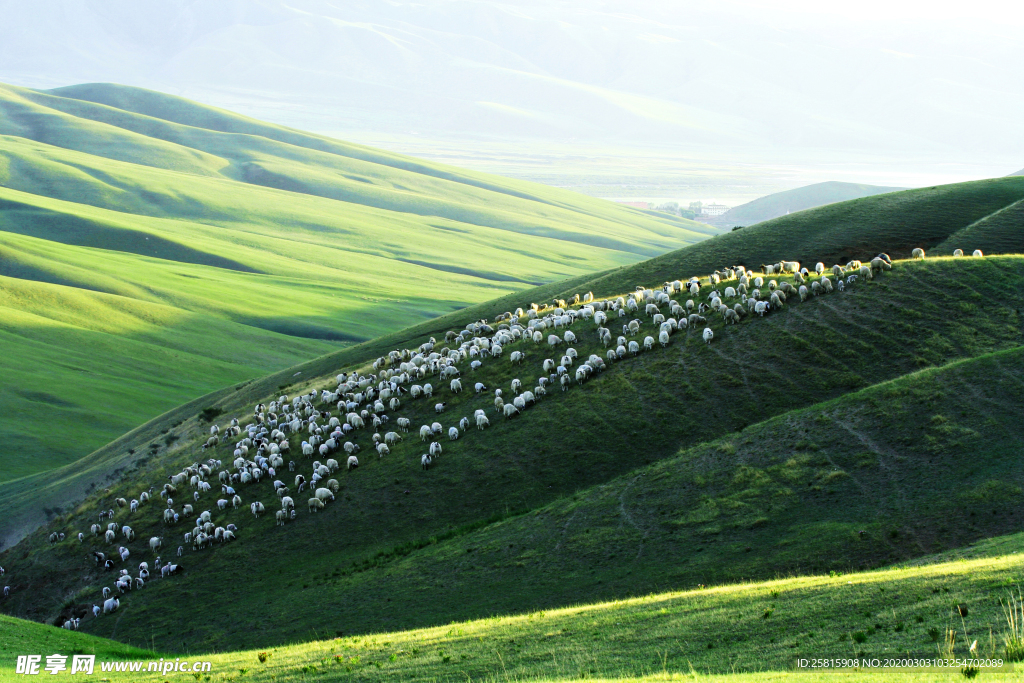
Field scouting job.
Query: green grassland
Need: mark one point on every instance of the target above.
(153, 249)
(395, 530)
(737, 633)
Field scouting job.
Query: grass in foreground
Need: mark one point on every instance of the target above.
(734, 629)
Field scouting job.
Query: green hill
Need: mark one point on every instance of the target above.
(894, 223)
(999, 232)
(583, 454)
(741, 633)
(153, 249)
(800, 199)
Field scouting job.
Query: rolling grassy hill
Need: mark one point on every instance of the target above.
(154, 249)
(895, 223)
(396, 531)
(739, 633)
(791, 201)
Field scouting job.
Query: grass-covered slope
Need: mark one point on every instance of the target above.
(1000, 232)
(799, 199)
(638, 412)
(895, 223)
(250, 247)
(739, 633)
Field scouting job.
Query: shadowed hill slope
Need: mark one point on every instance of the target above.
(251, 246)
(1000, 232)
(639, 412)
(725, 630)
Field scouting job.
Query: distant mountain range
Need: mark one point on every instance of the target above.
(1020, 172)
(791, 201)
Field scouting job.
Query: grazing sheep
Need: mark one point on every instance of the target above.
(456, 386)
(481, 421)
(663, 338)
(453, 433)
(648, 343)
(918, 253)
(257, 509)
(382, 450)
(977, 252)
(315, 504)
(511, 410)
(352, 463)
(439, 407)
(425, 461)
(708, 335)
(404, 423)
(110, 605)
(425, 433)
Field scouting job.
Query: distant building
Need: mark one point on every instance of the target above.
(713, 209)
(636, 205)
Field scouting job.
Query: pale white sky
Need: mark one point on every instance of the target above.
(873, 91)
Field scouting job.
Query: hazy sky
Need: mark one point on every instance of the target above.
(895, 92)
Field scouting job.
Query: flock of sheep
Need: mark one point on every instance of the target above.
(263, 447)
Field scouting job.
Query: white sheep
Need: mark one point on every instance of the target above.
(918, 253)
(708, 335)
(110, 605)
(481, 421)
(977, 252)
(453, 433)
(315, 504)
(648, 343)
(425, 461)
(352, 463)
(382, 450)
(456, 386)
(958, 252)
(663, 338)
